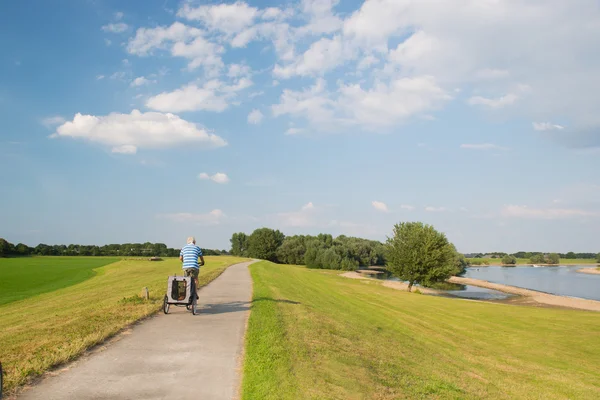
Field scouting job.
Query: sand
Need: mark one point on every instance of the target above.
(589, 271)
(535, 296)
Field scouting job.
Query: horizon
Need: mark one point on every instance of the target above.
(154, 121)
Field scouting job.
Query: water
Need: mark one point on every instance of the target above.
(463, 291)
(560, 280)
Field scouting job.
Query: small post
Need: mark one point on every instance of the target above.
(145, 293)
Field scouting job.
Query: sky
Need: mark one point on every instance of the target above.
(156, 120)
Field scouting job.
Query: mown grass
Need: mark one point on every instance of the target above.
(29, 276)
(526, 261)
(315, 335)
(54, 327)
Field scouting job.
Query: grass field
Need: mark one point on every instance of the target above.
(315, 335)
(525, 261)
(29, 276)
(53, 327)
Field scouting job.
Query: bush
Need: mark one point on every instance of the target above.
(509, 260)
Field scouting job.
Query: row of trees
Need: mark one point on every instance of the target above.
(7, 249)
(321, 251)
(529, 254)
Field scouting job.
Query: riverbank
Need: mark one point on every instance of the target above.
(532, 296)
(594, 271)
(392, 284)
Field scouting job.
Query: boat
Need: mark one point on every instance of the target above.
(537, 266)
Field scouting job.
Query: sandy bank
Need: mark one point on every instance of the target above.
(537, 297)
(392, 284)
(589, 271)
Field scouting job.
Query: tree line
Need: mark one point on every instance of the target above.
(320, 251)
(529, 254)
(8, 249)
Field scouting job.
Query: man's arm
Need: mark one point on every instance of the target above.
(181, 255)
(201, 260)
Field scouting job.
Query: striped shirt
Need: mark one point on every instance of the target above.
(190, 254)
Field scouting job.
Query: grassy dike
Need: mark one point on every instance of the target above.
(315, 335)
(56, 326)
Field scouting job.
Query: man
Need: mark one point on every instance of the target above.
(189, 257)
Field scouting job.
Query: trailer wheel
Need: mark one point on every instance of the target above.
(166, 305)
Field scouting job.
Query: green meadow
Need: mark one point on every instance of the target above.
(315, 335)
(54, 308)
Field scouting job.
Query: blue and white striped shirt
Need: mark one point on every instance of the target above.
(190, 254)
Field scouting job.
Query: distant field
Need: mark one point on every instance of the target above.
(28, 276)
(525, 261)
(315, 335)
(53, 327)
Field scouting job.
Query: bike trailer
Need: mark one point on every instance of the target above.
(179, 289)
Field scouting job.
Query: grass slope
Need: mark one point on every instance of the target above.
(28, 276)
(315, 335)
(55, 327)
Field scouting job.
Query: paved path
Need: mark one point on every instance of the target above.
(174, 356)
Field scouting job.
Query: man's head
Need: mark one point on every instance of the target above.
(191, 240)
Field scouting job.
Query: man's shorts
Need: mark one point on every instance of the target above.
(193, 272)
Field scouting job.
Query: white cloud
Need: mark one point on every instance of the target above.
(517, 211)
(213, 96)
(503, 101)
(303, 218)
(407, 207)
(219, 177)
(125, 149)
(107, 42)
(237, 70)
(140, 81)
(215, 217)
(547, 126)
(294, 131)
(227, 18)
(115, 28)
(322, 20)
(118, 15)
(379, 206)
(255, 117)
(435, 209)
(99, 77)
(482, 146)
(53, 121)
(124, 132)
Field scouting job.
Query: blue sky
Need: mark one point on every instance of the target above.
(155, 120)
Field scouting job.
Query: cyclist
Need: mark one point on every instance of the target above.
(189, 257)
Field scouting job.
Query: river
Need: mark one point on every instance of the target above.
(559, 280)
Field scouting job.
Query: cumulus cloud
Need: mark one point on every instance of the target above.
(50, 122)
(255, 117)
(215, 217)
(115, 28)
(407, 207)
(214, 95)
(219, 177)
(125, 133)
(379, 206)
(482, 146)
(519, 211)
(140, 81)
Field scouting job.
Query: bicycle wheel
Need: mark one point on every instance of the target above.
(194, 305)
(166, 305)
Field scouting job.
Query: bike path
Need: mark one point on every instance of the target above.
(173, 356)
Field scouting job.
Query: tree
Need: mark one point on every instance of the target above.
(537, 258)
(264, 242)
(553, 258)
(4, 247)
(417, 253)
(509, 260)
(598, 258)
(570, 255)
(239, 244)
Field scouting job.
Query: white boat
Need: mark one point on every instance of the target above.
(537, 266)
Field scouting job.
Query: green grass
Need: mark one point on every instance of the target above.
(54, 327)
(315, 335)
(28, 276)
(525, 261)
